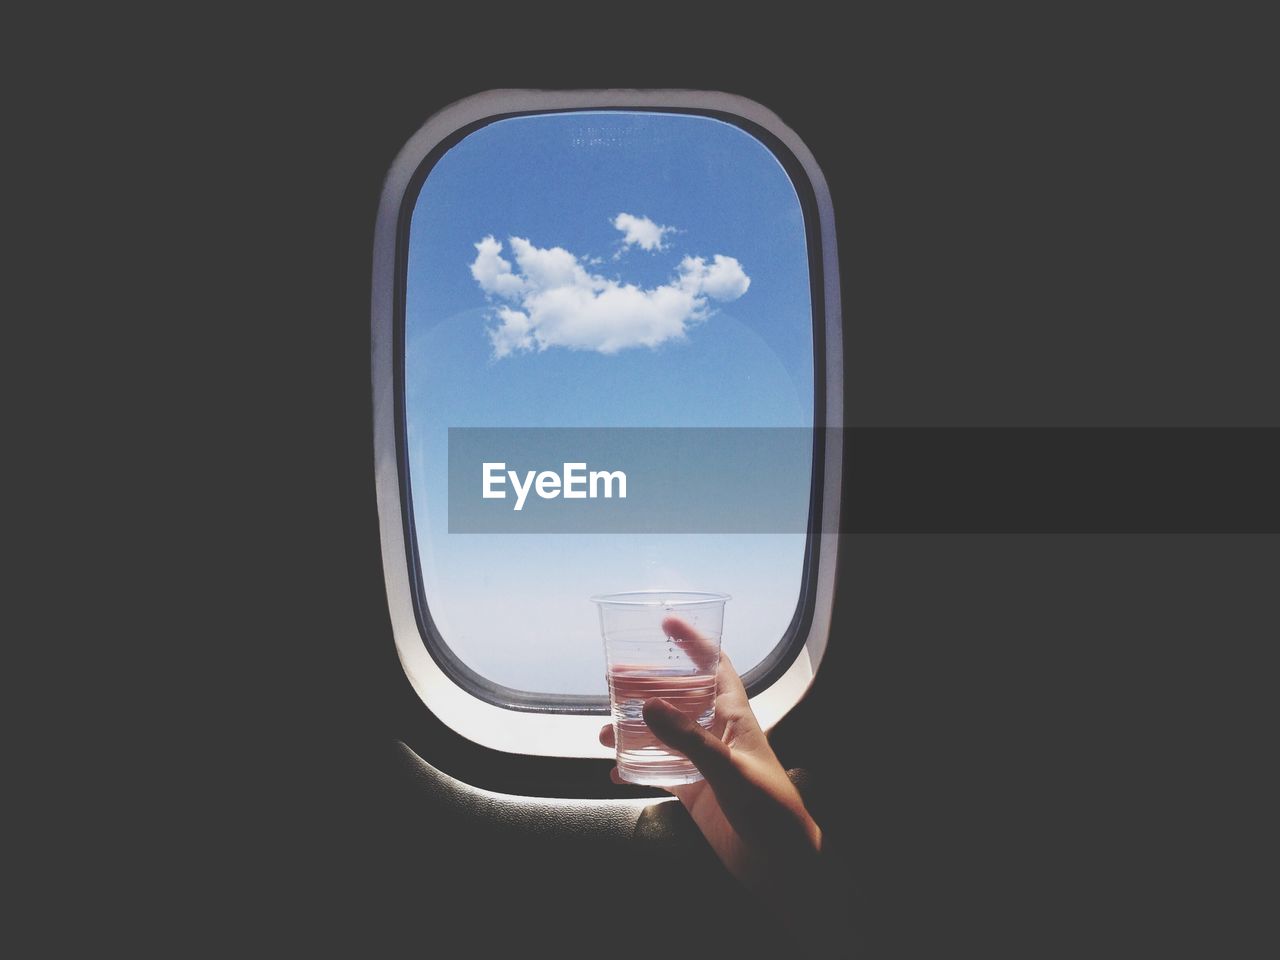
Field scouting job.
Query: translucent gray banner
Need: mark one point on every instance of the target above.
(632, 479)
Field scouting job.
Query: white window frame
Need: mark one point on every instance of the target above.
(545, 733)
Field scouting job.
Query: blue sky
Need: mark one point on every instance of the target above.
(526, 306)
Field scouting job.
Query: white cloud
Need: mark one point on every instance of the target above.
(641, 232)
(554, 301)
(723, 280)
(494, 273)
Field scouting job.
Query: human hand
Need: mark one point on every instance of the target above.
(749, 811)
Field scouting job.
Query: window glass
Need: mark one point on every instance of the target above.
(600, 269)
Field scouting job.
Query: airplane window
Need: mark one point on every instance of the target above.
(644, 274)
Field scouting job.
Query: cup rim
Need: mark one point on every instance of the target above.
(658, 598)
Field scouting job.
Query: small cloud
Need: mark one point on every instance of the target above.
(724, 279)
(554, 301)
(641, 232)
(492, 272)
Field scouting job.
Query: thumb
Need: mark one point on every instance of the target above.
(761, 814)
(706, 752)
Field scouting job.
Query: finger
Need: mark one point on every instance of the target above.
(616, 777)
(606, 735)
(702, 651)
(705, 652)
(728, 682)
(705, 751)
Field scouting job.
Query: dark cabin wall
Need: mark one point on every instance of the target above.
(1002, 730)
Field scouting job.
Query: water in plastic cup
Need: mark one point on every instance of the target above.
(647, 655)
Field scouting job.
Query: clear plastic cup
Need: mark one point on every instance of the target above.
(659, 643)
